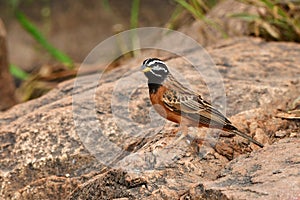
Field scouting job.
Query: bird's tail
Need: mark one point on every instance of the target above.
(247, 137)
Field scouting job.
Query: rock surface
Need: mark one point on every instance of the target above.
(254, 176)
(46, 154)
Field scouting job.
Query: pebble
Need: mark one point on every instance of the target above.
(293, 134)
(280, 134)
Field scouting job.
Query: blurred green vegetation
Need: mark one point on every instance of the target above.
(134, 16)
(38, 36)
(35, 33)
(275, 20)
(199, 8)
(33, 84)
(18, 72)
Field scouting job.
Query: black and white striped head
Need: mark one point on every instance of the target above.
(155, 70)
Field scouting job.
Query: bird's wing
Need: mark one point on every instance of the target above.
(194, 107)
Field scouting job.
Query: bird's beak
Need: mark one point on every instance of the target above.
(145, 68)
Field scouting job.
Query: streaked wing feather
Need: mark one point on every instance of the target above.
(192, 106)
(192, 103)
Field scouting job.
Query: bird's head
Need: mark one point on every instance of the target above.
(155, 70)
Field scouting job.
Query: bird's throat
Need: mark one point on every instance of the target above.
(153, 87)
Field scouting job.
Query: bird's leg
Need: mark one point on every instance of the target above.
(184, 133)
(175, 131)
(198, 141)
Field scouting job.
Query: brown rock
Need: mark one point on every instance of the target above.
(114, 153)
(114, 184)
(271, 173)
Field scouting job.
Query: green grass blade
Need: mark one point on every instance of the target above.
(175, 15)
(191, 9)
(106, 5)
(134, 18)
(271, 6)
(18, 72)
(37, 35)
(245, 16)
(134, 22)
(194, 7)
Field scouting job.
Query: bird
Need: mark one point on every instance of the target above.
(181, 105)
